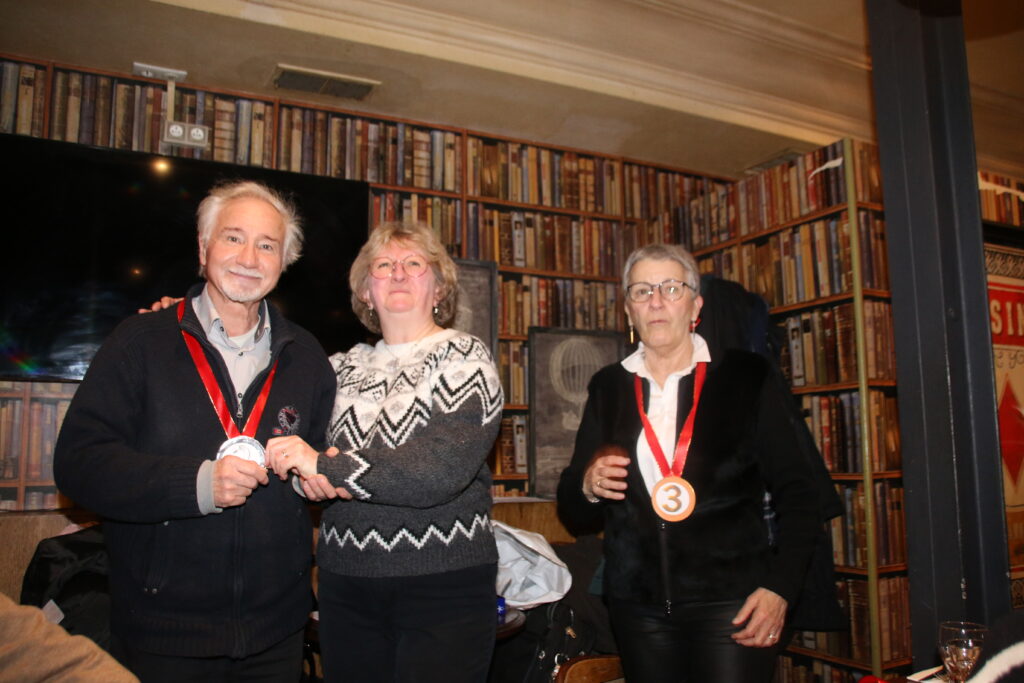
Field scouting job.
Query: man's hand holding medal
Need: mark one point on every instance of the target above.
(235, 478)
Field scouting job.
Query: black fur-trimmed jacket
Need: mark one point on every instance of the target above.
(744, 443)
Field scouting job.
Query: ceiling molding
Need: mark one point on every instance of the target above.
(997, 99)
(755, 24)
(398, 26)
(987, 162)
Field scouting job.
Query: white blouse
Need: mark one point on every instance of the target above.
(661, 408)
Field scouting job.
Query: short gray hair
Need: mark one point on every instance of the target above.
(664, 252)
(210, 208)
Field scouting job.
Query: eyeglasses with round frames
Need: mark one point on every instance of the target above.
(671, 290)
(383, 267)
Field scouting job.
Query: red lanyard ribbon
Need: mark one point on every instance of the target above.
(213, 390)
(683, 445)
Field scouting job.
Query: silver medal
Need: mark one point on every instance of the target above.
(244, 447)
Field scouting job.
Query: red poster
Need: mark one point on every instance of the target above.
(1006, 321)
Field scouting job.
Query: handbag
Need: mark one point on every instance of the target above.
(562, 638)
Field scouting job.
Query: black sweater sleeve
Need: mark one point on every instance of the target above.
(789, 480)
(98, 460)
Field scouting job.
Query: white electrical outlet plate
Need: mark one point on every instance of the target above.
(186, 134)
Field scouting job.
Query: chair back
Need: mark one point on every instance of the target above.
(590, 669)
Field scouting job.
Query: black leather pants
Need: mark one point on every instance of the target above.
(691, 645)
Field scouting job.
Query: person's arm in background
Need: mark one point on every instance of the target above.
(33, 649)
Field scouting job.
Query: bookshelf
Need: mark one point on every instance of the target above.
(809, 236)
(557, 221)
(553, 221)
(30, 417)
(1002, 199)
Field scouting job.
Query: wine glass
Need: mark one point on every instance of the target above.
(960, 646)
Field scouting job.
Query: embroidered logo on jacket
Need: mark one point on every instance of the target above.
(289, 421)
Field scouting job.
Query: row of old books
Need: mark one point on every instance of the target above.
(506, 489)
(389, 153)
(821, 345)
(528, 174)
(805, 185)
(849, 531)
(1002, 198)
(22, 98)
(806, 262)
(31, 456)
(443, 214)
(653, 192)
(106, 111)
(802, 186)
(709, 218)
(510, 454)
(544, 241)
(834, 421)
(36, 498)
(532, 301)
(11, 410)
(855, 644)
(514, 368)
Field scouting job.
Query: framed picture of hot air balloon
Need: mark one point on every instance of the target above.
(562, 361)
(1005, 267)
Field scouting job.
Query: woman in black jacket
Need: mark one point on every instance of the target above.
(673, 456)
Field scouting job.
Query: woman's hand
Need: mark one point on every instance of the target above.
(605, 476)
(318, 488)
(287, 454)
(764, 613)
(164, 302)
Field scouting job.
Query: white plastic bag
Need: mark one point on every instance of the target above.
(529, 571)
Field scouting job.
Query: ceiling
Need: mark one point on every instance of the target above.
(716, 86)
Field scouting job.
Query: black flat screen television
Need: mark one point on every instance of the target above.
(93, 234)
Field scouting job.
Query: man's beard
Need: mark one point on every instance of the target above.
(242, 294)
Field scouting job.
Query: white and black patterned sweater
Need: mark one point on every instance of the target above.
(414, 424)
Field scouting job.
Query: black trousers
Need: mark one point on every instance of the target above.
(281, 663)
(410, 629)
(692, 645)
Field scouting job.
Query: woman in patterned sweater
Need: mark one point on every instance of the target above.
(408, 564)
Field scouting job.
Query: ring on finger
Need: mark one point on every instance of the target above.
(600, 483)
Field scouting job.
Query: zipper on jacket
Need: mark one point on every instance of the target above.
(663, 542)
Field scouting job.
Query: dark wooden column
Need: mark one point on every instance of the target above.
(952, 473)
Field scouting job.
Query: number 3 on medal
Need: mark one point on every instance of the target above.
(673, 499)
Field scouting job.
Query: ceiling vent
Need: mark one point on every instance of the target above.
(288, 77)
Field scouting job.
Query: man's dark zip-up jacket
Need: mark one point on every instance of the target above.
(226, 584)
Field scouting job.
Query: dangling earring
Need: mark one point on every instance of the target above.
(435, 310)
(693, 324)
(632, 334)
